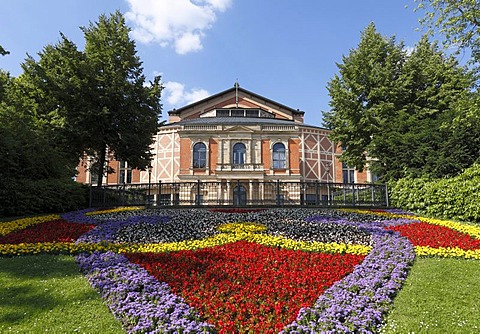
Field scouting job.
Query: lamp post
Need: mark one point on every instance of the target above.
(149, 182)
(303, 188)
(328, 165)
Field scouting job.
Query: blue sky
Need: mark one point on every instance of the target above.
(285, 50)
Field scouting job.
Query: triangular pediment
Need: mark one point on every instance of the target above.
(235, 98)
(238, 128)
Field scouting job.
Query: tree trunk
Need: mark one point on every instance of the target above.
(101, 165)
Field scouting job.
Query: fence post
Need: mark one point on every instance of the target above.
(159, 195)
(302, 192)
(90, 197)
(197, 200)
(238, 203)
(353, 194)
(277, 196)
(328, 194)
(123, 194)
(387, 199)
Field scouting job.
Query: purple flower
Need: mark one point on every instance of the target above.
(138, 300)
(357, 303)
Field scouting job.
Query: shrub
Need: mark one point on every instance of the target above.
(23, 197)
(456, 197)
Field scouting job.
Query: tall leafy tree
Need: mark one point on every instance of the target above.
(98, 98)
(414, 141)
(364, 94)
(459, 22)
(403, 121)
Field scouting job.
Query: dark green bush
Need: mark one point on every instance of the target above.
(457, 197)
(23, 197)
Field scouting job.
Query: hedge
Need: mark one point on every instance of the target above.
(23, 197)
(455, 198)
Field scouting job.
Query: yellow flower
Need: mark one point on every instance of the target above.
(120, 209)
(20, 224)
(245, 231)
(447, 252)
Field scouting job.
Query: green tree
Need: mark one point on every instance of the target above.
(404, 124)
(458, 21)
(98, 100)
(364, 95)
(415, 141)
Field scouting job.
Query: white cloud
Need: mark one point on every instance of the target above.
(178, 23)
(178, 97)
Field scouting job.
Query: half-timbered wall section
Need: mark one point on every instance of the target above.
(317, 155)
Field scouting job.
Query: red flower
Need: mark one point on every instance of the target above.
(53, 231)
(424, 234)
(246, 287)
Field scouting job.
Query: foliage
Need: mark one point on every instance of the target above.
(397, 108)
(3, 52)
(35, 176)
(97, 100)
(269, 285)
(50, 231)
(142, 303)
(455, 197)
(26, 196)
(458, 21)
(363, 95)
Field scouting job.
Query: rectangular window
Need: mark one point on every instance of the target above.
(124, 173)
(348, 173)
(223, 113)
(279, 160)
(199, 155)
(93, 177)
(238, 112)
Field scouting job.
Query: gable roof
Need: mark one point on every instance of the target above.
(232, 90)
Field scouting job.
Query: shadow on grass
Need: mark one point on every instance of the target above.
(26, 281)
(46, 291)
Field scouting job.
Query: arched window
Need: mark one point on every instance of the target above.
(239, 152)
(279, 159)
(199, 155)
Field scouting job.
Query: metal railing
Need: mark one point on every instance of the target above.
(241, 193)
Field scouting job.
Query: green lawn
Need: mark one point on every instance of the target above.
(439, 296)
(48, 294)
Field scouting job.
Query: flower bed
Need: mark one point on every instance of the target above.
(56, 230)
(247, 287)
(296, 270)
(435, 236)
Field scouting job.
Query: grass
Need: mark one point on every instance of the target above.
(439, 296)
(48, 294)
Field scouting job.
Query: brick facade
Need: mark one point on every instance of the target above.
(256, 124)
